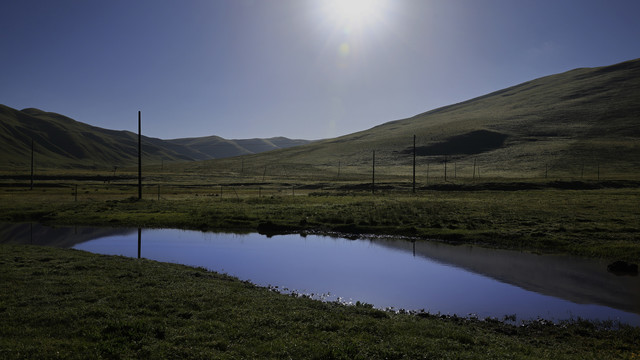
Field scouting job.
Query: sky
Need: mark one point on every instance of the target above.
(305, 69)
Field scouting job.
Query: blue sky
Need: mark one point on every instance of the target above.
(295, 68)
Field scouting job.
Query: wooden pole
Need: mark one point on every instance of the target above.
(31, 187)
(414, 164)
(373, 173)
(474, 168)
(139, 157)
(427, 174)
(445, 168)
(546, 170)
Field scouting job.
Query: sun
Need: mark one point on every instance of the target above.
(354, 13)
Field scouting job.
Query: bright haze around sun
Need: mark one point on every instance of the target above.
(305, 69)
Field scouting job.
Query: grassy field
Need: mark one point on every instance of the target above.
(586, 218)
(70, 304)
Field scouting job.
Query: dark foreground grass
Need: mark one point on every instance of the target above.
(600, 223)
(71, 304)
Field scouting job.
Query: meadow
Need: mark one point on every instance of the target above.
(563, 215)
(71, 304)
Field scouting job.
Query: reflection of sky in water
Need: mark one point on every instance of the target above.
(353, 270)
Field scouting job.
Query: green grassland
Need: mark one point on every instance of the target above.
(70, 304)
(585, 218)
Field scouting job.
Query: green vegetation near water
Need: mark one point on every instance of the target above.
(70, 304)
(599, 223)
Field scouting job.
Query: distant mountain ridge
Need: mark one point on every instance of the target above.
(62, 142)
(227, 148)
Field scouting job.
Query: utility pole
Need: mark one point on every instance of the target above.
(139, 157)
(31, 188)
(414, 163)
(373, 173)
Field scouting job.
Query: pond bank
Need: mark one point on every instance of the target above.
(72, 304)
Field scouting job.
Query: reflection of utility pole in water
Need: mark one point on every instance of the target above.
(139, 242)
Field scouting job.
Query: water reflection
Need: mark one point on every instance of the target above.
(58, 236)
(575, 279)
(437, 277)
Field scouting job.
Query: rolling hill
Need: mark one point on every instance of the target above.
(583, 121)
(64, 143)
(586, 120)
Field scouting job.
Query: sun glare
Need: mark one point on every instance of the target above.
(355, 13)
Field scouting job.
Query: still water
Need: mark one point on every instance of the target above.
(385, 272)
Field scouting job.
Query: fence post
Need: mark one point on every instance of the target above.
(546, 170)
(445, 168)
(427, 174)
(474, 168)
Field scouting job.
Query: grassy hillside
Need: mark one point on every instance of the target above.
(581, 123)
(63, 143)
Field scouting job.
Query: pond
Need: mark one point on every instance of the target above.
(386, 272)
